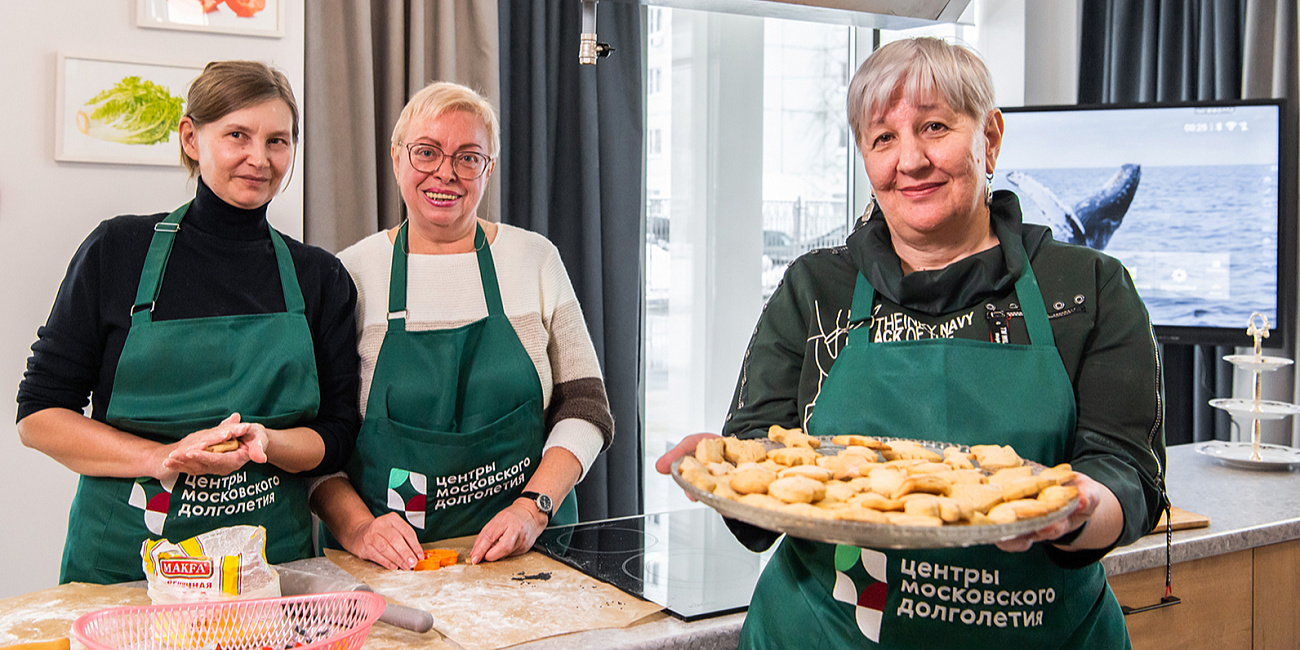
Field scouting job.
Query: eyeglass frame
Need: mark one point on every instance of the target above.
(410, 158)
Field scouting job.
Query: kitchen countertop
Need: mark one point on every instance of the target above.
(1247, 509)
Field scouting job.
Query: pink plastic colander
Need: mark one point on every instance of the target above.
(336, 621)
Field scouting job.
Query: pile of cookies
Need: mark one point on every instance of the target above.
(896, 482)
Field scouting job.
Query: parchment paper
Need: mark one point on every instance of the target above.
(498, 604)
(49, 613)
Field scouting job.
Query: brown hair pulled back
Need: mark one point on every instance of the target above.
(227, 86)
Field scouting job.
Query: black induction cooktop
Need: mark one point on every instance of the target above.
(685, 560)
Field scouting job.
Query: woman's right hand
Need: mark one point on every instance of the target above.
(190, 454)
(684, 448)
(687, 446)
(387, 541)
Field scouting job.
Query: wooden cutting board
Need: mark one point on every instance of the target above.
(49, 613)
(1182, 521)
(497, 604)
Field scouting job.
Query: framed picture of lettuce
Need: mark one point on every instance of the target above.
(121, 112)
(250, 17)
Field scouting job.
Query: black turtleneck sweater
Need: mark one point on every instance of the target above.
(222, 264)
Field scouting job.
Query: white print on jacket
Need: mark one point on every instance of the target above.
(829, 340)
(832, 336)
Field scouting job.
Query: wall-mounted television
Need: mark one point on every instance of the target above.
(1197, 201)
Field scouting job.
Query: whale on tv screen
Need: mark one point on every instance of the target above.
(1187, 197)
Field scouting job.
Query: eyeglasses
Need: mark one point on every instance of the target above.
(428, 158)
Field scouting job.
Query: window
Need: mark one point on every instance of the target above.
(747, 167)
(750, 163)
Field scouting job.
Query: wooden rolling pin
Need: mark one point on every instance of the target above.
(320, 576)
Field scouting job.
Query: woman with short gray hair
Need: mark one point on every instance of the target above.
(946, 318)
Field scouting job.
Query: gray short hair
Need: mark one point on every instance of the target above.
(915, 69)
(444, 96)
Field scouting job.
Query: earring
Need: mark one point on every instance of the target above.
(988, 189)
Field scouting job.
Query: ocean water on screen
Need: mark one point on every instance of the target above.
(1201, 242)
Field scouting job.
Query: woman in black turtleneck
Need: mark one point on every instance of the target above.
(194, 328)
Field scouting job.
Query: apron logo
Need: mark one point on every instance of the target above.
(408, 493)
(868, 601)
(154, 498)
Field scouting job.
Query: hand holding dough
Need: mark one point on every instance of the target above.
(223, 447)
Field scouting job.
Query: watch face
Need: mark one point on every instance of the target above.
(544, 502)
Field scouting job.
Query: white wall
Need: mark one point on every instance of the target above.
(48, 207)
(1051, 52)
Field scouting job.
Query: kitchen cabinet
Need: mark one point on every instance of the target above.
(1238, 579)
(1246, 599)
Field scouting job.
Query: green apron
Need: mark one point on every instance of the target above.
(179, 376)
(963, 391)
(454, 423)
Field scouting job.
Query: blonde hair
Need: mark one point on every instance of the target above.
(444, 96)
(915, 69)
(227, 86)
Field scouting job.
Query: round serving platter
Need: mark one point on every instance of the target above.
(1238, 454)
(870, 535)
(1252, 362)
(1248, 409)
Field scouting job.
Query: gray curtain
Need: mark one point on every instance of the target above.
(364, 60)
(572, 170)
(1182, 50)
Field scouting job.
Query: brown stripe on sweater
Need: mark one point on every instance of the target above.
(583, 399)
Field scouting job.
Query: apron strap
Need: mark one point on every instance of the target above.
(155, 262)
(1027, 292)
(487, 271)
(1031, 305)
(397, 282)
(293, 301)
(160, 250)
(397, 278)
(864, 296)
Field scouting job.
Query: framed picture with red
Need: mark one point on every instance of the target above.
(248, 17)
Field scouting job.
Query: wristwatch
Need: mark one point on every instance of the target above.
(542, 501)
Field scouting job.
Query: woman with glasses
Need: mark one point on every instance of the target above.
(194, 328)
(482, 398)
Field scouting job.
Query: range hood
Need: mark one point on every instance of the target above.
(876, 14)
(880, 14)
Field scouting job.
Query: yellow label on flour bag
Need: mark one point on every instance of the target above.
(223, 564)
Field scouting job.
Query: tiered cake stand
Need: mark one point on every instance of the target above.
(1254, 454)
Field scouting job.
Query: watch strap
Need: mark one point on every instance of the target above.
(536, 498)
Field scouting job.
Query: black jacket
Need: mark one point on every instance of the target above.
(1102, 332)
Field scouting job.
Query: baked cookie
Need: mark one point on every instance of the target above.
(819, 474)
(792, 437)
(791, 456)
(858, 441)
(752, 480)
(995, 457)
(710, 450)
(797, 489)
(740, 451)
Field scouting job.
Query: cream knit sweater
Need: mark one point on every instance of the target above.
(444, 291)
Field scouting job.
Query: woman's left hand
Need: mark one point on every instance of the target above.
(191, 455)
(1098, 509)
(511, 532)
